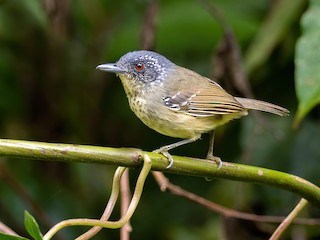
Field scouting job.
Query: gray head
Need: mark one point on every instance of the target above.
(145, 66)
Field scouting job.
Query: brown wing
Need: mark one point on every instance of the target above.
(209, 99)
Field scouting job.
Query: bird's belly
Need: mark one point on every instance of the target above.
(180, 126)
(172, 123)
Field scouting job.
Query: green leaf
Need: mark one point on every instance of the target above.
(4, 236)
(307, 73)
(32, 226)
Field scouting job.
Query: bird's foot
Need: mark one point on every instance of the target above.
(217, 160)
(165, 153)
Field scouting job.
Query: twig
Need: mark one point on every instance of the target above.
(166, 185)
(125, 201)
(5, 229)
(289, 219)
(109, 208)
(109, 224)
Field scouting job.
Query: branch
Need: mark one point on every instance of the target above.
(5, 229)
(289, 219)
(165, 185)
(109, 224)
(131, 157)
(126, 229)
(109, 208)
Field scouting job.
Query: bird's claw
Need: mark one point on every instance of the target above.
(217, 160)
(170, 159)
(167, 155)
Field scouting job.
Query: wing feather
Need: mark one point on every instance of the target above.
(208, 100)
(200, 96)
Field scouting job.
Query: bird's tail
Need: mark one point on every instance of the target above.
(262, 106)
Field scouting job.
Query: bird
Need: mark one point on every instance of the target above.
(178, 102)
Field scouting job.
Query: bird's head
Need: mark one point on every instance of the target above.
(140, 68)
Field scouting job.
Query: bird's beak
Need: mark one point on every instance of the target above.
(110, 67)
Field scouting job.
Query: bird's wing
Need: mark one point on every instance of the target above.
(208, 100)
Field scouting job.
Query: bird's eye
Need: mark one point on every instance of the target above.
(139, 66)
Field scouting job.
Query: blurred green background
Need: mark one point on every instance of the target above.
(50, 91)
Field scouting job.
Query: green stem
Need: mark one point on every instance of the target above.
(109, 208)
(182, 165)
(289, 219)
(109, 224)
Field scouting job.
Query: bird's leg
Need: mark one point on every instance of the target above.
(165, 149)
(210, 151)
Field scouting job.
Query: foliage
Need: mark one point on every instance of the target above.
(307, 70)
(32, 226)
